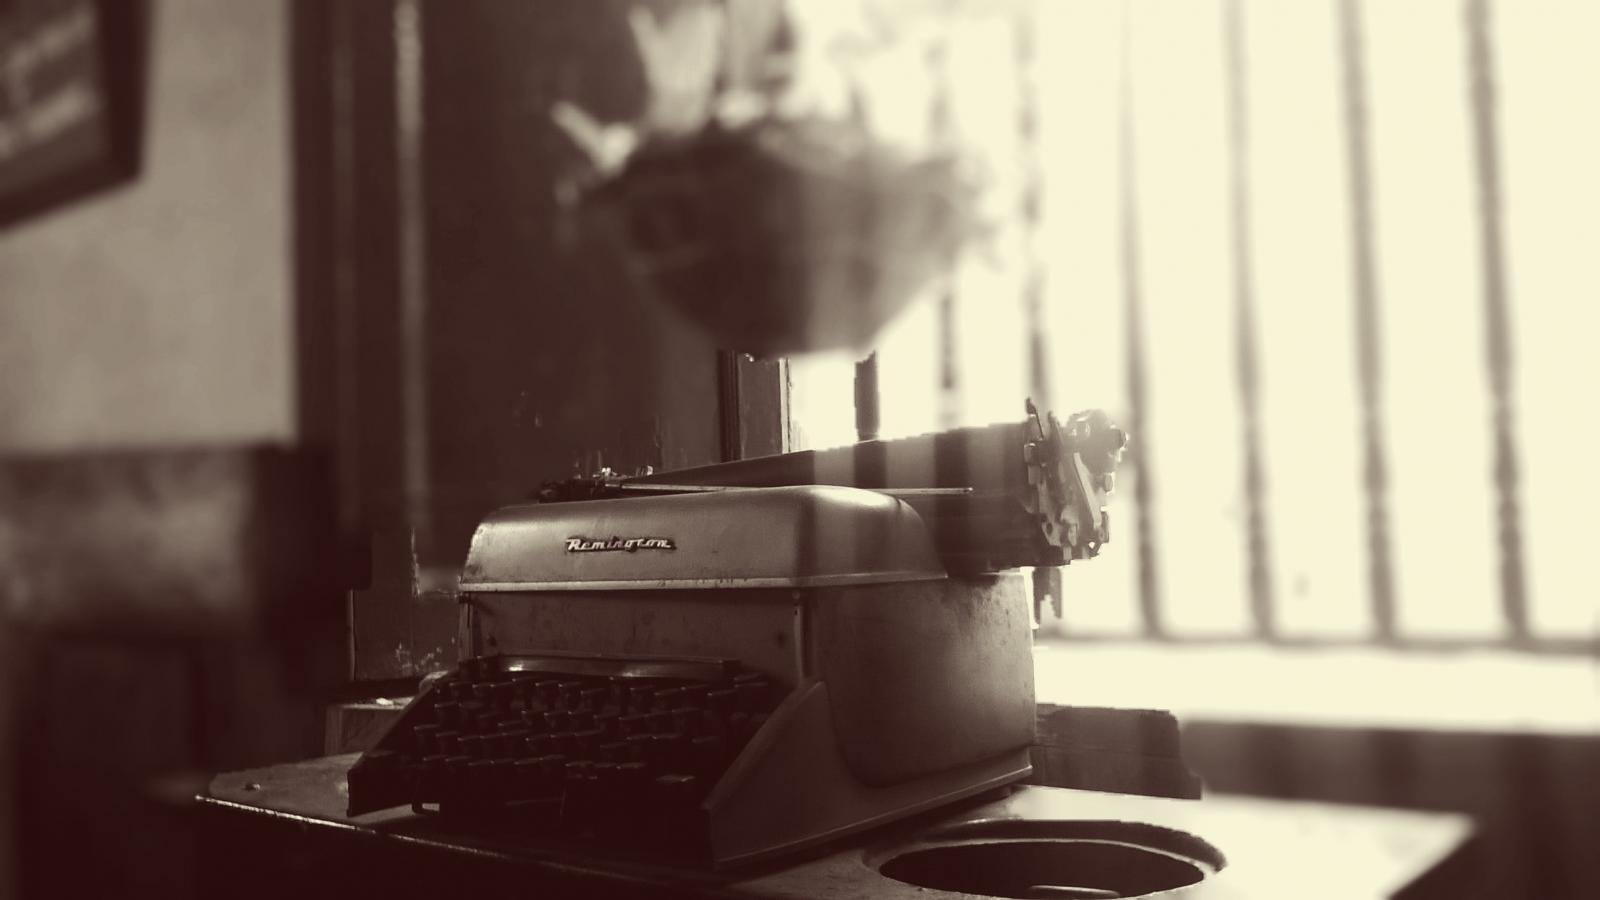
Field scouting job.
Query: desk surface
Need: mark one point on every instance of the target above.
(1273, 848)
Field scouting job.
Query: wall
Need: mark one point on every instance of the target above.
(149, 317)
(158, 312)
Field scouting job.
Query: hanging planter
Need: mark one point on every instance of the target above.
(776, 227)
(785, 236)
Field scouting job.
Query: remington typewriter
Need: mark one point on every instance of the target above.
(729, 663)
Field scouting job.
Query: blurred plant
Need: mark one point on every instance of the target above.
(788, 185)
(730, 63)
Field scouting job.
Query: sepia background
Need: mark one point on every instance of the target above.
(1329, 262)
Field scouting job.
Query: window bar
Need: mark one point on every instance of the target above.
(730, 402)
(346, 313)
(1031, 208)
(1046, 579)
(868, 419)
(1138, 447)
(1485, 124)
(413, 279)
(1368, 362)
(939, 127)
(1258, 542)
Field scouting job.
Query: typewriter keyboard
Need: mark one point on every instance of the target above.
(607, 755)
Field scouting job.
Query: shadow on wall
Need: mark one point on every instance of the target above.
(162, 613)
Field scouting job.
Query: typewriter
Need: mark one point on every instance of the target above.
(730, 663)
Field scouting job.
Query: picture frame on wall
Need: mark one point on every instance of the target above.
(72, 86)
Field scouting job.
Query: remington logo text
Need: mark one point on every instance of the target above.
(600, 545)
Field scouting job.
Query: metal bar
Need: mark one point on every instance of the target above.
(412, 239)
(663, 488)
(1258, 539)
(1047, 587)
(1550, 646)
(1031, 211)
(728, 406)
(987, 457)
(939, 127)
(868, 415)
(1485, 128)
(1138, 452)
(1368, 363)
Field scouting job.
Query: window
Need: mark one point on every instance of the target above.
(1333, 265)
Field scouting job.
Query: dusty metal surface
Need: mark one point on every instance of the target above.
(776, 537)
(947, 685)
(1271, 848)
(760, 627)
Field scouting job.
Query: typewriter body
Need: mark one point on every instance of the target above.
(725, 664)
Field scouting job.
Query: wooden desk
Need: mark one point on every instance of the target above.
(287, 832)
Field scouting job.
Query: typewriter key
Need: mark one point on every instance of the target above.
(618, 696)
(480, 779)
(570, 694)
(604, 795)
(504, 693)
(423, 735)
(722, 700)
(455, 768)
(676, 791)
(430, 786)
(514, 743)
(561, 742)
(672, 749)
(738, 728)
(585, 742)
(633, 777)
(448, 743)
(525, 779)
(688, 719)
(708, 755)
(549, 692)
(503, 779)
(643, 698)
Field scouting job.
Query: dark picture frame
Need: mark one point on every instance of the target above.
(72, 98)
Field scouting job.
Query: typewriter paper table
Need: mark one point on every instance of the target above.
(1272, 848)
